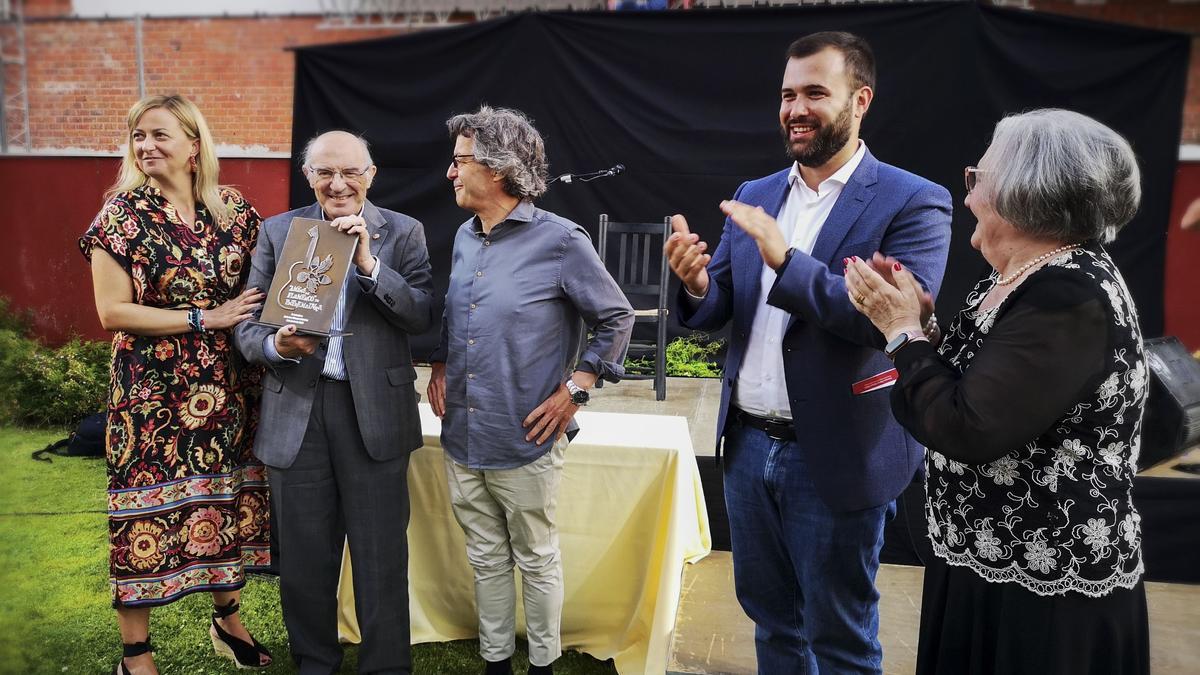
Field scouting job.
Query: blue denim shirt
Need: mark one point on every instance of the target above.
(520, 302)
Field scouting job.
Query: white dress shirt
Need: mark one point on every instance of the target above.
(761, 389)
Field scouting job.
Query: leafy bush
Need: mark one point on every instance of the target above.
(42, 386)
(13, 320)
(15, 350)
(690, 356)
(59, 387)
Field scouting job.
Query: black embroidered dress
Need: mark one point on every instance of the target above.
(1031, 412)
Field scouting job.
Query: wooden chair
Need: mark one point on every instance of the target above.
(637, 264)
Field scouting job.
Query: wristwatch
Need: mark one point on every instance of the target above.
(579, 395)
(897, 343)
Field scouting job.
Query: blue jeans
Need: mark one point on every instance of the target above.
(803, 573)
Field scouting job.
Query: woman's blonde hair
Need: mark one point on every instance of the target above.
(205, 188)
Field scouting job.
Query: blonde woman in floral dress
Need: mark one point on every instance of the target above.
(188, 505)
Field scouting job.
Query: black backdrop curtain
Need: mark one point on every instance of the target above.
(688, 102)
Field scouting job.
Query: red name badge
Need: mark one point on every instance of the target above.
(885, 379)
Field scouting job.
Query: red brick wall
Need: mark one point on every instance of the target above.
(83, 75)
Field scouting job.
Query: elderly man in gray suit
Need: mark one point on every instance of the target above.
(339, 419)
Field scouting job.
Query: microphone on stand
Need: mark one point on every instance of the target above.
(588, 177)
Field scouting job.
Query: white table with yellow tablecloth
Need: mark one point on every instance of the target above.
(630, 514)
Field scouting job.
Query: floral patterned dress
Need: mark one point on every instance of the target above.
(188, 504)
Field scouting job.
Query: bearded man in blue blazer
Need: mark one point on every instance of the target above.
(813, 457)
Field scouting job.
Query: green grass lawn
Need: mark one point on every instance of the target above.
(55, 610)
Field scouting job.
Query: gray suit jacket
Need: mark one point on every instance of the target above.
(378, 360)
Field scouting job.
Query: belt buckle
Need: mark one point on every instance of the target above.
(776, 431)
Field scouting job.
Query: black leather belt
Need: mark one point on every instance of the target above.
(780, 430)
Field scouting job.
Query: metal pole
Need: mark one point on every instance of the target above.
(137, 24)
(3, 101)
(24, 79)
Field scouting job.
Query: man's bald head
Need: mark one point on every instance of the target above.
(338, 138)
(339, 169)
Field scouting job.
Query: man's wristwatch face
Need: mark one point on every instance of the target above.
(579, 395)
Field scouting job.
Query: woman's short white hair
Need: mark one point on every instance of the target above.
(1059, 174)
(506, 142)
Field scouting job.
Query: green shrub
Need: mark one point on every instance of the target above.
(15, 350)
(59, 387)
(42, 386)
(12, 320)
(690, 356)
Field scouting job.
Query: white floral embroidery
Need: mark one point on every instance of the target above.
(1095, 534)
(1056, 515)
(953, 535)
(1108, 389)
(1130, 528)
(987, 544)
(1115, 300)
(1114, 453)
(1040, 556)
(1003, 471)
(1136, 377)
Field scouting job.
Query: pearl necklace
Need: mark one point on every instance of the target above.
(1001, 281)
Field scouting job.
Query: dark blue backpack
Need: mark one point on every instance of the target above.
(86, 441)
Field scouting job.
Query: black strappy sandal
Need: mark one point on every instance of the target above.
(242, 653)
(131, 650)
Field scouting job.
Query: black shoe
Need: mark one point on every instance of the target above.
(499, 667)
(547, 669)
(242, 653)
(131, 650)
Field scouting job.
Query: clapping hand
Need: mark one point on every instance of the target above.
(894, 303)
(764, 229)
(687, 256)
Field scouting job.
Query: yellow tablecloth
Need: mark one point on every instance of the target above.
(630, 514)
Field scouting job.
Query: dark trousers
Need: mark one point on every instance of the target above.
(332, 493)
(804, 573)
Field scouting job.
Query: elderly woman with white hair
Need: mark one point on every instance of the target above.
(1031, 407)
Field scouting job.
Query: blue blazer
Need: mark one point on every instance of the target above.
(860, 457)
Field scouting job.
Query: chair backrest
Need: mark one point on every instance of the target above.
(633, 254)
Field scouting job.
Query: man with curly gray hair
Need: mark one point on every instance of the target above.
(511, 370)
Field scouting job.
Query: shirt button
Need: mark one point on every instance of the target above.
(470, 376)
(470, 410)
(478, 273)
(472, 305)
(471, 341)
(487, 243)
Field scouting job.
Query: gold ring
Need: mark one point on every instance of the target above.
(860, 299)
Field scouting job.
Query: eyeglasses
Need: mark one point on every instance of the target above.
(324, 175)
(971, 177)
(458, 160)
